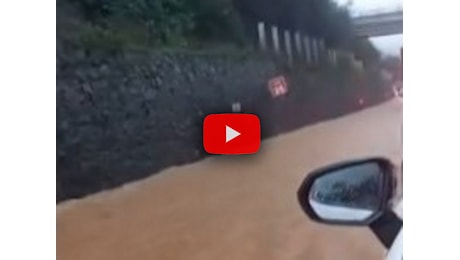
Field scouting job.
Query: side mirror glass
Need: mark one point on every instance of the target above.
(349, 193)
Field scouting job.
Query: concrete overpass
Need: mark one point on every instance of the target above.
(378, 24)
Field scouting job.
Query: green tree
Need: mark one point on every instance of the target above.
(165, 21)
(216, 20)
(364, 50)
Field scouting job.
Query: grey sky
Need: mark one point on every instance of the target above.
(388, 45)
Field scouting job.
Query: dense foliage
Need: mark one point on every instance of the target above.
(204, 22)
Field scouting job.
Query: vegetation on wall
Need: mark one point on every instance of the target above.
(191, 23)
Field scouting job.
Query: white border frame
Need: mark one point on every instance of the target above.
(431, 116)
(28, 129)
(432, 131)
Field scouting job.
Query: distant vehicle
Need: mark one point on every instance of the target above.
(374, 180)
(398, 89)
(400, 81)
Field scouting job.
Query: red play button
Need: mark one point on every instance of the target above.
(231, 133)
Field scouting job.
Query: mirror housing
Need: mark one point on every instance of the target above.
(307, 193)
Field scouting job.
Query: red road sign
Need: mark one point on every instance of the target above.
(277, 86)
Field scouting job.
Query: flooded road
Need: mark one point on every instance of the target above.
(242, 207)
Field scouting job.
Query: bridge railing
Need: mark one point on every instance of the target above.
(296, 47)
(373, 12)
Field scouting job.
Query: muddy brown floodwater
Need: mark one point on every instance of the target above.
(233, 207)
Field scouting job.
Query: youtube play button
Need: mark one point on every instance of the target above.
(231, 133)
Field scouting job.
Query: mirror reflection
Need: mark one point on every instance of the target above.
(348, 194)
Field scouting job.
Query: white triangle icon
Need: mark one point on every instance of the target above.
(230, 134)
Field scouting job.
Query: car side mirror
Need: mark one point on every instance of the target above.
(352, 193)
